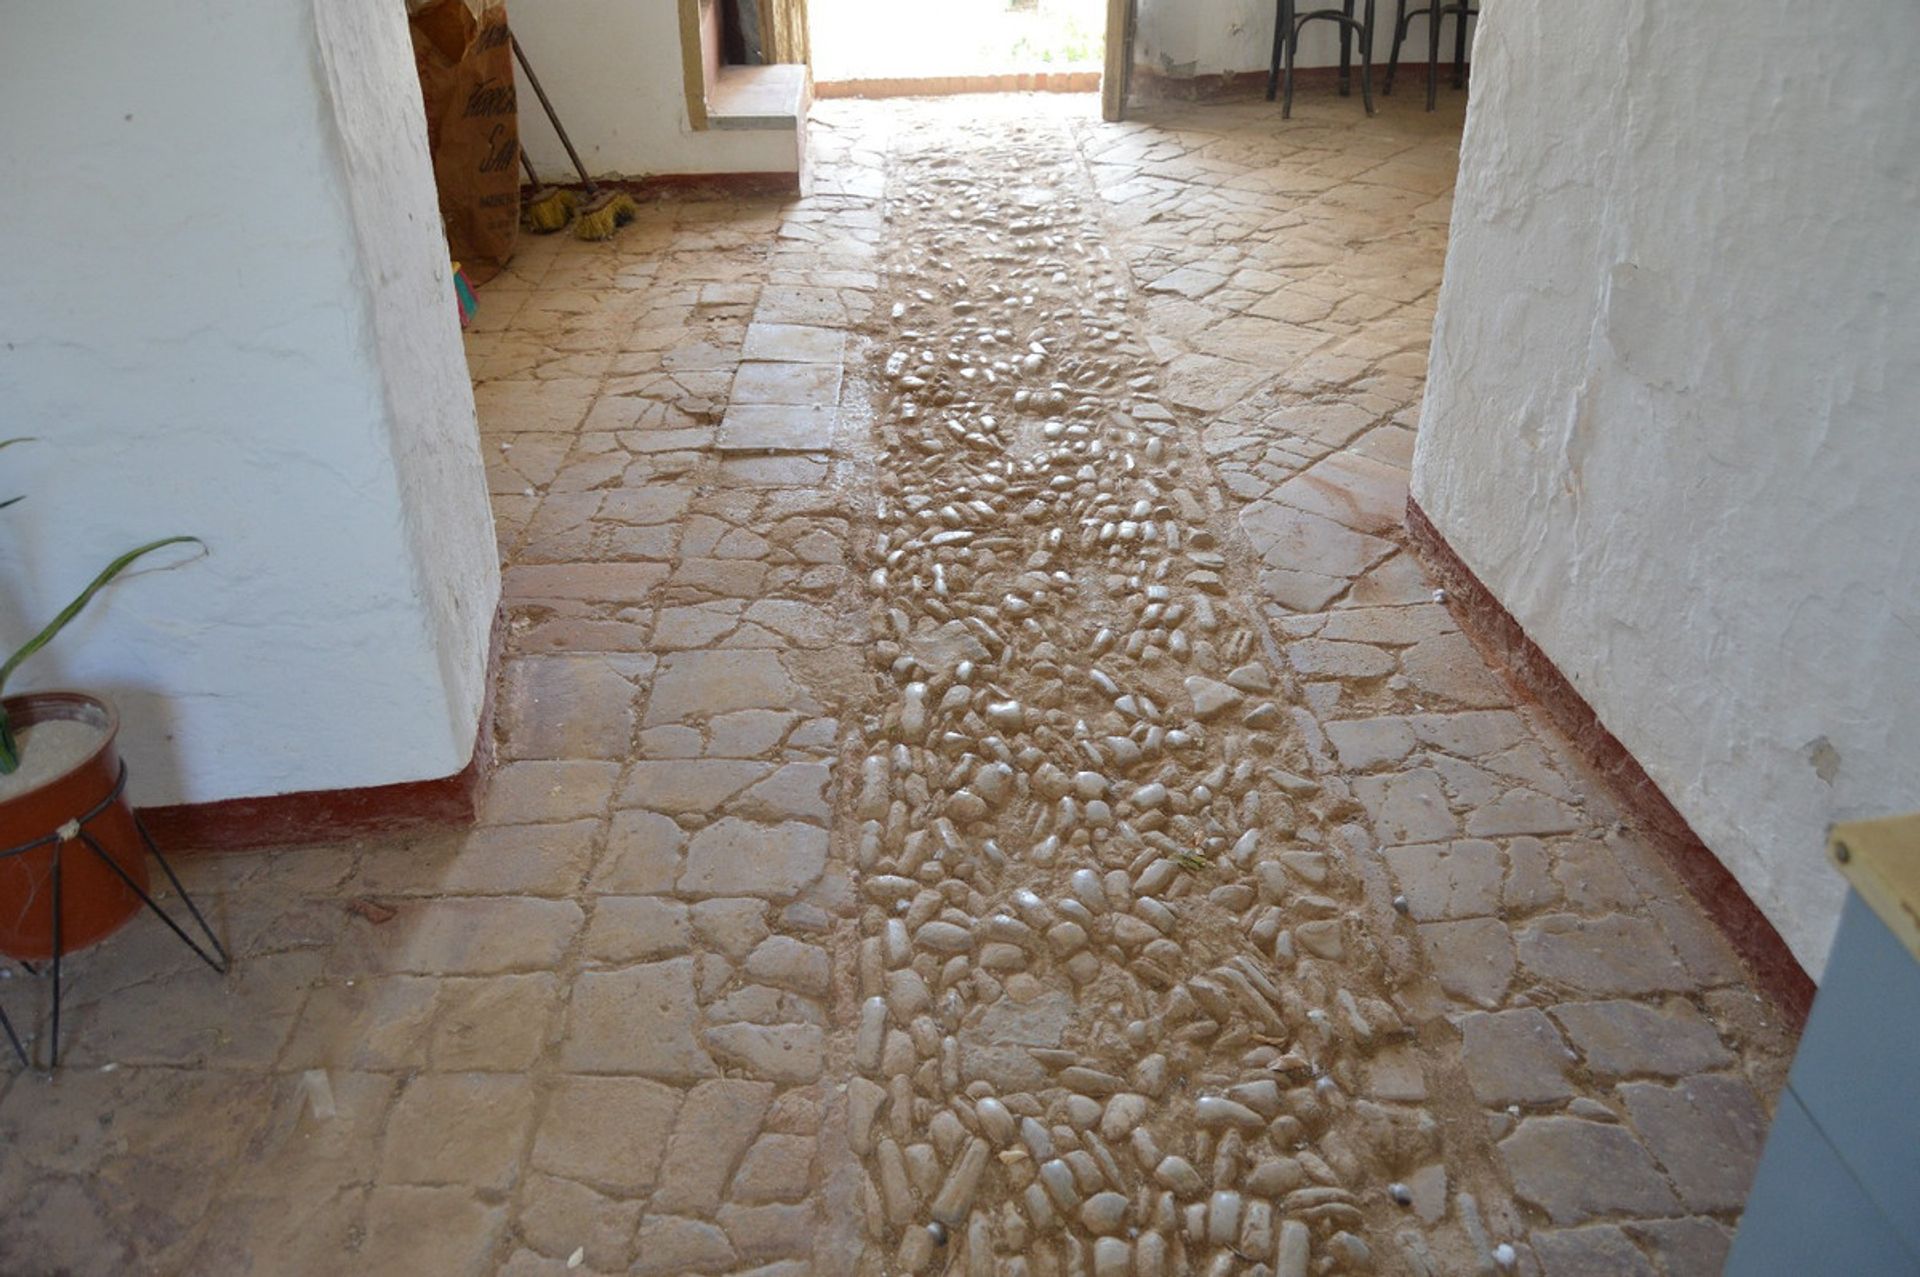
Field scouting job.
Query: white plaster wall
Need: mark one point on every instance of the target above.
(1185, 38)
(1670, 420)
(613, 70)
(446, 517)
(216, 313)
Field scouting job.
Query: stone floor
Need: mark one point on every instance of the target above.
(983, 790)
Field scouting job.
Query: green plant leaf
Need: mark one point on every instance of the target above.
(85, 597)
(9, 747)
(8, 443)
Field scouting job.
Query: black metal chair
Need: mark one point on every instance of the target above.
(1433, 13)
(1287, 21)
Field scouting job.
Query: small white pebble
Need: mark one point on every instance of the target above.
(1503, 1255)
(578, 1257)
(108, 1068)
(1439, 596)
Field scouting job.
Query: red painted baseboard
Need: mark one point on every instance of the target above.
(692, 185)
(1774, 969)
(278, 820)
(240, 824)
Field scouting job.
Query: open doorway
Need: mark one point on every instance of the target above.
(955, 45)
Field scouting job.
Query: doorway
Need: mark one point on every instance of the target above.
(947, 46)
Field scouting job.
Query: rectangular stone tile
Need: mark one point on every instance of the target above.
(682, 439)
(1363, 743)
(548, 792)
(374, 1023)
(196, 1019)
(691, 686)
(557, 1216)
(1605, 956)
(568, 707)
(493, 1024)
(1300, 541)
(458, 1128)
(595, 582)
(262, 1228)
(1472, 959)
(610, 1132)
(561, 627)
(795, 343)
(1388, 626)
(1364, 494)
(717, 1126)
(529, 860)
(628, 929)
(462, 936)
(787, 383)
(636, 1020)
(687, 786)
(1514, 1057)
(792, 470)
(426, 1230)
(1707, 1131)
(1452, 880)
(1575, 1170)
(643, 854)
(733, 857)
(776, 428)
(1596, 1248)
(1627, 1039)
(1407, 807)
(558, 404)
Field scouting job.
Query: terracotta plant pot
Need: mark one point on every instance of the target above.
(94, 901)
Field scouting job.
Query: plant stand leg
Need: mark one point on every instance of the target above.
(59, 912)
(213, 954)
(14, 1038)
(220, 963)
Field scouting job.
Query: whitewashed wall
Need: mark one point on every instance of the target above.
(613, 70)
(1671, 418)
(224, 309)
(1185, 38)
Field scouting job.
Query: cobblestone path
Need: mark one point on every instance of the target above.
(983, 790)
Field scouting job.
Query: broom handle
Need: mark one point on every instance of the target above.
(553, 116)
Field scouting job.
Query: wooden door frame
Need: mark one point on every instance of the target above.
(693, 64)
(1116, 75)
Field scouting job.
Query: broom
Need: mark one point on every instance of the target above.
(604, 211)
(548, 208)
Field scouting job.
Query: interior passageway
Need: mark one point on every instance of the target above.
(983, 788)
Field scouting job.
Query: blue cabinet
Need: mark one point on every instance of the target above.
(1838, 1189)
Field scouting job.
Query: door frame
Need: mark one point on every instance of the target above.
(1116, 75)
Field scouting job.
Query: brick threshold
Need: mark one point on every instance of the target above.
(1535, 677)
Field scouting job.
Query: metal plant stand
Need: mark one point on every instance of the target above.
(77, 832)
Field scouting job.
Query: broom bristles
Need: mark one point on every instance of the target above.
(607, 214)
(550, 210)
